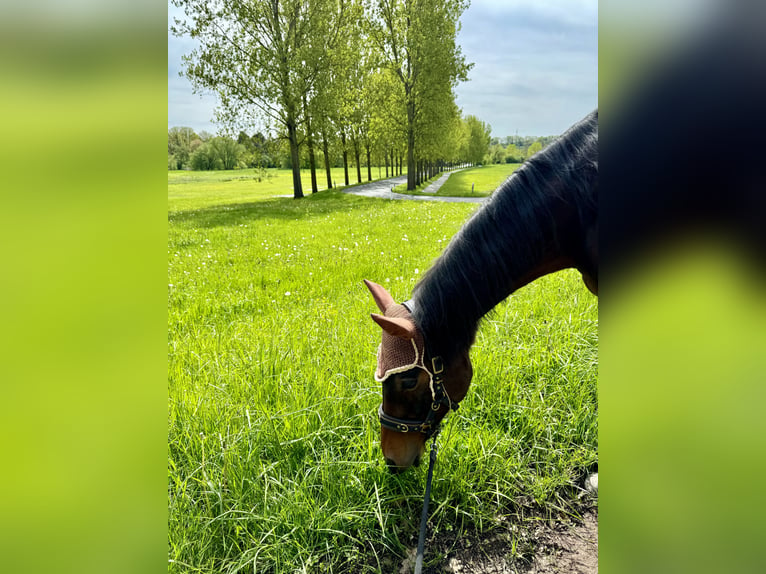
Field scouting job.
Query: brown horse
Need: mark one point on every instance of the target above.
(541, 220)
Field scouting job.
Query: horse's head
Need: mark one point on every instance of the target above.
(418, 388)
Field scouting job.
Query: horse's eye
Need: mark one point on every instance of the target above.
(409, 384)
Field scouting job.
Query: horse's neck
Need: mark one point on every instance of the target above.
(530, 227)
(471, 278)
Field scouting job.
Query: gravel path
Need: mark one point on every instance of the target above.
(382, 189)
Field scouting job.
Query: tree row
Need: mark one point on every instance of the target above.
(363, 79)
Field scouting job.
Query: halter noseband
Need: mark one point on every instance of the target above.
(428, 426)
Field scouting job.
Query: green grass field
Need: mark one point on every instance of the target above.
(274, 463)
(194, 189)
(485, 180)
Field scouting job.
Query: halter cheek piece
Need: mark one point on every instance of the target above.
(428, 426)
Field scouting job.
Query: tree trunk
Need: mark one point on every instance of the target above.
(345, 155)
(411, 168)
(356, 157)
(292, 136)
(385, 156)
(369, 163)
(326, 161)
(310, 146)
(312, 164)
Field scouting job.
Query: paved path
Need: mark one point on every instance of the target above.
(383, 187)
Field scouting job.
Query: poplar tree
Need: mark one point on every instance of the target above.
(417, 40)
(261, 57)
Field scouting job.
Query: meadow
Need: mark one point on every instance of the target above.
(477, 181)
(274, 462)
(194, 189)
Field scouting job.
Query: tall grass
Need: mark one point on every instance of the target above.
(274, 463)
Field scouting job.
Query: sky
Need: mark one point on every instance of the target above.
(535, 67)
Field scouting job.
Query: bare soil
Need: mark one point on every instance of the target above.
(536, 547)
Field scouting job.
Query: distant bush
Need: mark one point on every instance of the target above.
(205, 158)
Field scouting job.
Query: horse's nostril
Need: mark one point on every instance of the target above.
(392, 466)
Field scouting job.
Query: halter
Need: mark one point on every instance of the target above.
(428, 426)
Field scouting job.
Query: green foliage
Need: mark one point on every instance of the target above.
(514, 154)
(416, 40)
(228, 151)
(496, 154)
(216, 153)
(534, 148)
(355, 79)
(182, 142)
(478, 139)
(273, 456)
(205, 158)
(262, 58)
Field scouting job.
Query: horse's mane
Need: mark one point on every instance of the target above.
(508, 235)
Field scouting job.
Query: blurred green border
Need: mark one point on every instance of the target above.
(83, 413)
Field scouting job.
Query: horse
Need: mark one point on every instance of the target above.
(542, 219)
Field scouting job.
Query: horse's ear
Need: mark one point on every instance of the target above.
(381, 296)
(396, 326)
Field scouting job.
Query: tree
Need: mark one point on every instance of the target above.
(261, 57)
(227, 151)
(514, 154)
(497, 153)
(205, 158)
(416, 38)
(388, 124)
(478, 139)
(180, 146)
(534, 148)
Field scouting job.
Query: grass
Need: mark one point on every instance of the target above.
(194, 189)
(484, 179)
(274, 463)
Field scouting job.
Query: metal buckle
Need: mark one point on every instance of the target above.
(437, 365)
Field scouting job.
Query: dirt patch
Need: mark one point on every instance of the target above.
(533, 546)
(571, 549)
(548, 548)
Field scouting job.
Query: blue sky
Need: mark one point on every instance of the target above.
(535, 67)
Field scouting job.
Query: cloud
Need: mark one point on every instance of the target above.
(536, 64)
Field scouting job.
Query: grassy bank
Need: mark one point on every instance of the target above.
(483, 180)
(273, 458)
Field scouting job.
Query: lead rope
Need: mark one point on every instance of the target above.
(424, 516)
